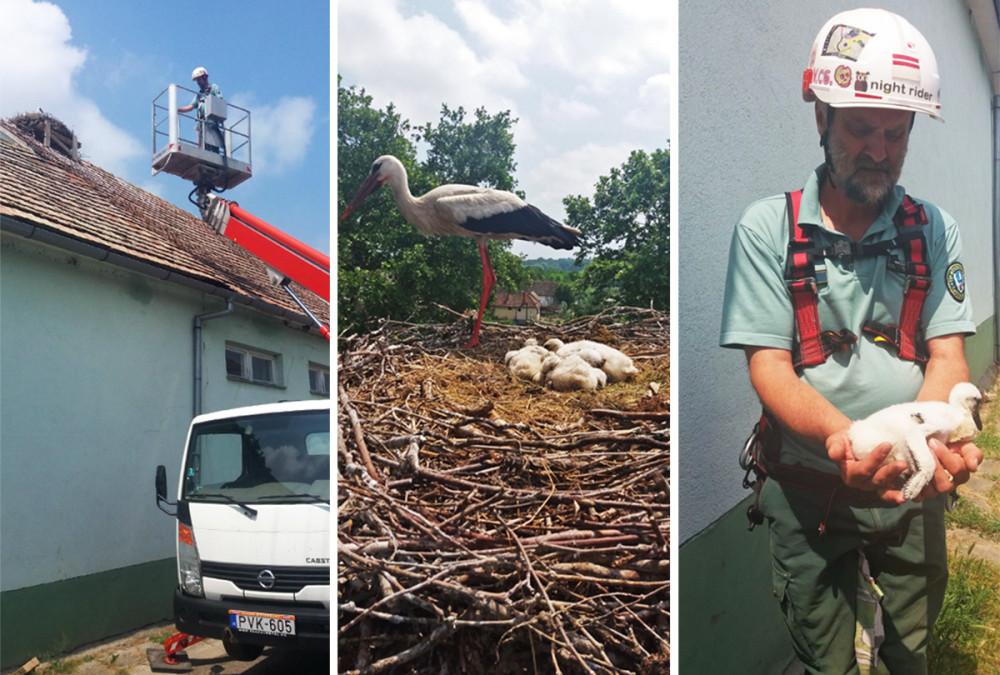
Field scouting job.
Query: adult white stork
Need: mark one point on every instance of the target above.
(469, 211)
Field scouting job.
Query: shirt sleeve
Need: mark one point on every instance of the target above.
(756, 310)
(947, 309)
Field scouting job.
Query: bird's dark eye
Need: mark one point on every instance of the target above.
(375, 167)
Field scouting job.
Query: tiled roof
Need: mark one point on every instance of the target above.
(47, 189)
(524, 299)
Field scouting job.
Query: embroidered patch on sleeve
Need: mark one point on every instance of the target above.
(954, 279)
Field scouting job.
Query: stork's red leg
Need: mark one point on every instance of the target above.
(489, 279)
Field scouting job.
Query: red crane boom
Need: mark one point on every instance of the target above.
(286, 257)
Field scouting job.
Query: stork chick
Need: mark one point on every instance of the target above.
(571, 372)
(908, 426)
(526, 362)
(613, 362)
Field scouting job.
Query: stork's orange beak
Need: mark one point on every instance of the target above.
(371, 184)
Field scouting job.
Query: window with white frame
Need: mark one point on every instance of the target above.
(252, 365)
(319, 379)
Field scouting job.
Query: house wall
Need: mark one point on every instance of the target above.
(516, 313)
(96, 391)
(745, 133)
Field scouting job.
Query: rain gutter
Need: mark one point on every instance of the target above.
(104, 254)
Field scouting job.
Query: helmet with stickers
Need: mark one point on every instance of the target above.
(198, 72)
(876, 59)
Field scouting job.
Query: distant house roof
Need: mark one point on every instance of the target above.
(517, 300)
(46, 192)
(545, 289)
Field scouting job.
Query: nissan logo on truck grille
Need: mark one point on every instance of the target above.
(278, 579)
(266, 579)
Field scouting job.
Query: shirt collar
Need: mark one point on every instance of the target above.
(809, 211)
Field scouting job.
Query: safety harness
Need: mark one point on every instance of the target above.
(813, 345)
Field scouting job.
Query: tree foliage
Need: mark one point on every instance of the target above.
(626, 230)
(477, 153)
(385, 267)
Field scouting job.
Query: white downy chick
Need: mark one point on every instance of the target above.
(526, 362)
(908, 426)
(571, 372)
(613, 362)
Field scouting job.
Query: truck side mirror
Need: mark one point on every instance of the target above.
(161, 490)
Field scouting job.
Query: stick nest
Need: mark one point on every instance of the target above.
(489, 526)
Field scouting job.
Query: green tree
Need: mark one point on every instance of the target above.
(385, 267)
(626, 230)
(476, 153)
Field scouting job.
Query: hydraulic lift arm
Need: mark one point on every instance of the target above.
(287, 258)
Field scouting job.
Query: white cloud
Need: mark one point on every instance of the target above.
(39, 63)
(418, 63)
(597, 43)
(574, 172)
(280, 132)
(567, 109)
(653, 108)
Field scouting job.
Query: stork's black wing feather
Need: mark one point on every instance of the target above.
(525, 223)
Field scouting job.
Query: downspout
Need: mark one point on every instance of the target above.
(198, 348)
(996, 228)
(985, 16)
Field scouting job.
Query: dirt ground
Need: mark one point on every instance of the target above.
(127, 655)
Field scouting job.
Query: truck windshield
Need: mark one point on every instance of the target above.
(273, 459)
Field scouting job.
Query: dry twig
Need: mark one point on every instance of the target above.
(487, 525)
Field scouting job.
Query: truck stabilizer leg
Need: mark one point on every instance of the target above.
(171, 659)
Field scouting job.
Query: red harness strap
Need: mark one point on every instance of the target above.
(909, 219)
(801, 282)
(814, 344)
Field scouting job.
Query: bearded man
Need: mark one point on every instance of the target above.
(848, 296)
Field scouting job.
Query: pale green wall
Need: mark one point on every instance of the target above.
(96, 390)
(730, 623)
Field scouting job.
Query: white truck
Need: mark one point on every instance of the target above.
(253, 529)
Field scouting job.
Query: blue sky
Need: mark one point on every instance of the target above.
(588, 80)
(98, 65)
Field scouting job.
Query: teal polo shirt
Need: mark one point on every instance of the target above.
(757, 309)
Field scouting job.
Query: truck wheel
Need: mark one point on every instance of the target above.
(242, 652)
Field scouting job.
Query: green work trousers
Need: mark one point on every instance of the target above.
(816, 575)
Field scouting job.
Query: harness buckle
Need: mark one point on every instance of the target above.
(842, 249)
(918, 281)
(810, 282)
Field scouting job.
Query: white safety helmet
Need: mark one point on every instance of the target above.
(198, 72)
(872, 58)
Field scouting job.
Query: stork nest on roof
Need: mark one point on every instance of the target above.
(490, 526)
(34, 125)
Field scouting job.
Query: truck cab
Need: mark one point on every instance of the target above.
(253, 528)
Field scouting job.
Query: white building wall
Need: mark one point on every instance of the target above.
(745, 133)
(95, 392)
